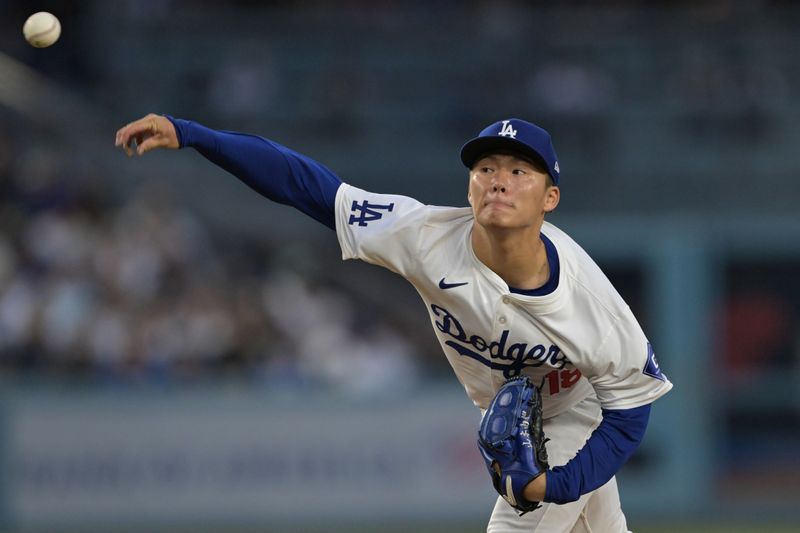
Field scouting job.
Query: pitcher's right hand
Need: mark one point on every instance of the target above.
(147, 133)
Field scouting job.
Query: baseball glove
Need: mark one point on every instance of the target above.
(511, 441)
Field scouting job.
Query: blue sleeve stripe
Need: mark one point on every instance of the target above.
(608, 448)
(280, 174)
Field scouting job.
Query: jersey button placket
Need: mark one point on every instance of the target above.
(501, 323)
(503, 311)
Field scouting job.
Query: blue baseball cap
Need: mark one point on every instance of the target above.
(514, 135)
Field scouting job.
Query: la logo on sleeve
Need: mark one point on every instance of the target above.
(368, 212)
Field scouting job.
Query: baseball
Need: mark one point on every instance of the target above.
(42, 29)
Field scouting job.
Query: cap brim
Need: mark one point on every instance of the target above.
(480, 146)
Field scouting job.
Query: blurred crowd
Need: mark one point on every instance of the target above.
(138, 285)
(95, 287)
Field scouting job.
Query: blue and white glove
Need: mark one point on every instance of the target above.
(511, 441)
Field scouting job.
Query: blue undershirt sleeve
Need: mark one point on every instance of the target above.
(280, 174)
(609, 446)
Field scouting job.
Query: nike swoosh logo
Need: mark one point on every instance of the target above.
(445, 286)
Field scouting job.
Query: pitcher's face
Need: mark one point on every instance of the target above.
(507, 192)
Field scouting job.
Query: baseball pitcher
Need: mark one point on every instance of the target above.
(539, 338)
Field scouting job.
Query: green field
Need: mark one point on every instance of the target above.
(676, 528)
(683, 528)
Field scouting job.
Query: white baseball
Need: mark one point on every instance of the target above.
(42, 29)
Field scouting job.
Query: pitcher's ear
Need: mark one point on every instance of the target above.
(551, 198)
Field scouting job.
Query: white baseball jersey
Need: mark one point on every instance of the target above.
(581, 339)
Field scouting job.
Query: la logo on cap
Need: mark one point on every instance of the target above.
(507, 130)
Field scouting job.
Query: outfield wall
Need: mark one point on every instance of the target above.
(102, 458)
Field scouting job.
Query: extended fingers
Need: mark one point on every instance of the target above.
(150, 143)
(125, 133)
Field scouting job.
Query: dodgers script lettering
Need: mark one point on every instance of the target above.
(497, 354)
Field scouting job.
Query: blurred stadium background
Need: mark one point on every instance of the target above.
(178, 354)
